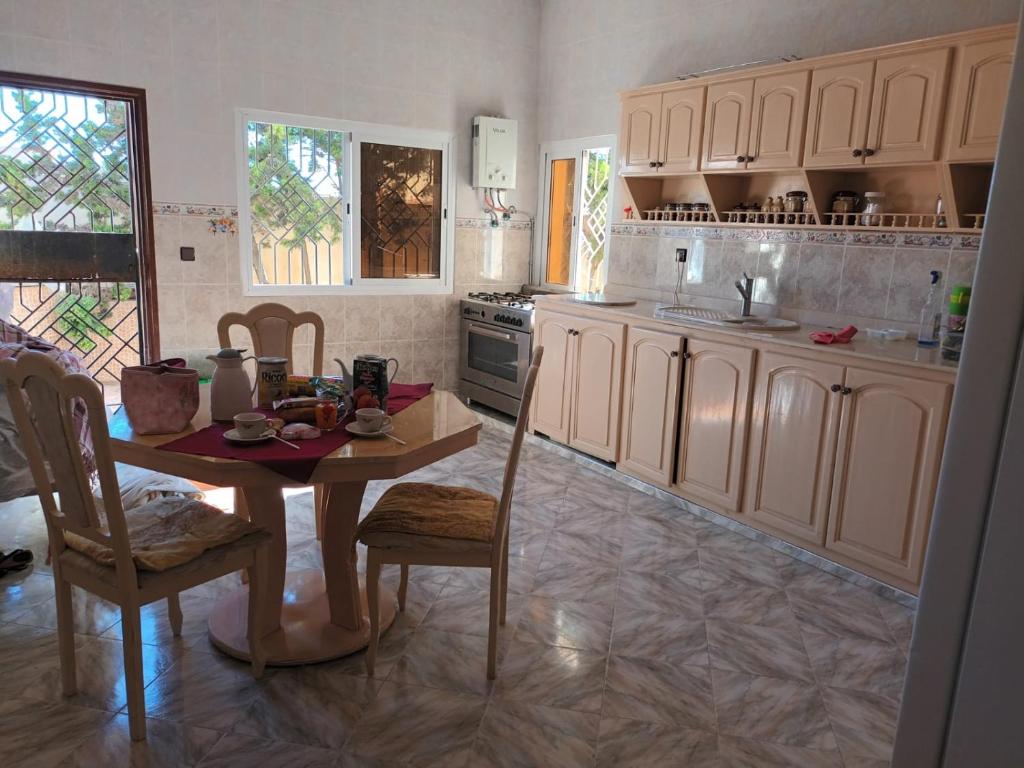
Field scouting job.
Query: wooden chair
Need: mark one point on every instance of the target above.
(411, 526)
(52, 449)
(272, 329)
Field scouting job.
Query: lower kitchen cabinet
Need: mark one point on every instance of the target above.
(579, 387)
(886, 470)
(649, 401)
(793, 431)
(713, 425)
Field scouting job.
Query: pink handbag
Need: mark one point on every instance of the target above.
(161, 398)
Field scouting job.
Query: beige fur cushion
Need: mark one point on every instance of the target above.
(424, 509)
(169, 532)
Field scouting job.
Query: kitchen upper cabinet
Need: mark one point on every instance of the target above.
(887, 464)
(837, 116)
(794, 425)
(597, 391)
(579, 386)
(975, 114)
(552, 399)
(778, 121)
(713, 425)
(640, 133)
(727, 125)
(907, 100)
(682, 120)
(650, 400)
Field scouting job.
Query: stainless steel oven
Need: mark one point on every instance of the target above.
(494, 352)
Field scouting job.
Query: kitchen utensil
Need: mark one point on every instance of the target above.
(369, 380)
(398, 440)
(231, 391)
(271, 380)
(159, 399)
(251, 424)
(290, 445)
(372, 419)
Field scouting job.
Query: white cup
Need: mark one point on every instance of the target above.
(372, 419)
(249, 425)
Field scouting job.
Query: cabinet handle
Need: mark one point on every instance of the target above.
(653, 164)
(741, 159)
(836, 388)
(674, 353)
(846, 390)
(660, 163)
(868, 152)
(687, 355)
(858, 152)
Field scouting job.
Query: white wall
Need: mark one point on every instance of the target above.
(426, 63)
(590, 49)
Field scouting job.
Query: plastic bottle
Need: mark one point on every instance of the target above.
(931, 314)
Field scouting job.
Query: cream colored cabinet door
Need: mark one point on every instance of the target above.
(713, 424)
(640, 133)
(682, 120)
(597, 389)
(552, 400)
(837, 114)
(649, 404)
(794, 424)
(907, 102)
(976, 107)
(887, 465)
(727, 125)
(778, 121)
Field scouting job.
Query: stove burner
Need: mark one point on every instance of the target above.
(506, 299)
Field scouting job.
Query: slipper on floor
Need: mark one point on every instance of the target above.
(17, 560)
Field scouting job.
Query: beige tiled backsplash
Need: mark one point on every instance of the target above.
(821, 277)
(420, 331)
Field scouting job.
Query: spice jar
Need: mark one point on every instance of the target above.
(845, 202)
(874, 207)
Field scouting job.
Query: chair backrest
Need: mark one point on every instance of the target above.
(272, 329)
(50, 439)
(512, 464)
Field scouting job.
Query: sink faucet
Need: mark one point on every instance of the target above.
(746, 289)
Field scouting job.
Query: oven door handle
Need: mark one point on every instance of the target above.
(483, 331)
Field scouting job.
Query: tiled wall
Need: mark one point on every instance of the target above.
(824, 277)
(420, 331)
(591, 49)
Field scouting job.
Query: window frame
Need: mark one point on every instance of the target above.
(559, 150)
(355, 133)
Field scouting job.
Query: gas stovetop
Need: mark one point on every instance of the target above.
(508, 310)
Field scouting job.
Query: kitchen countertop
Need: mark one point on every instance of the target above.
(904, 352)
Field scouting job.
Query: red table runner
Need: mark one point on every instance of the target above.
(297, 465)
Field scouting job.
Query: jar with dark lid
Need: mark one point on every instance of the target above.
(845, 201)
(795, 201)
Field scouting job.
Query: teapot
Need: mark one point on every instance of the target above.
(231, 390)
(368, 379)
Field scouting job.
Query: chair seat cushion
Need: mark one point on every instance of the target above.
(168, 532)
(434, 516)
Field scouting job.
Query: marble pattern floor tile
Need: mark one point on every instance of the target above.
(92, 615)
(770, 709)
(513, 734)
(864, 723)
(754, 566)
(167, 745)
(735, 752)
(846, 612)
(860, 665)
(418, 726)
(900, 621)
(759, 650)
(663, 636)
(635, 744)
(566, 623)
(448, 660)
(745, 602)
(564, 678)
(565, 579)
(678, 592)
(42, 734)
(237, 751)
(656, 691)
(468, 612)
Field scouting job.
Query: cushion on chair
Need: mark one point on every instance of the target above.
(169, 532)
(433, 516)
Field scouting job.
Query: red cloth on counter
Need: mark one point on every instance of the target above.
(839, 337)
(297, 465)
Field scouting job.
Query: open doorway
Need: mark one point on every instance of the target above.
(76, 232)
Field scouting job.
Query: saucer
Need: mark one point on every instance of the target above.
(232, 436)
(354, 428)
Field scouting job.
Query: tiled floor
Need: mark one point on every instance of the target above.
(638, 635)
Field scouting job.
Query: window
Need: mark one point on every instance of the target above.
(330, 206)
(574, 221)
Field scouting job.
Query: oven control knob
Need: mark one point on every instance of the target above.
(519, 322)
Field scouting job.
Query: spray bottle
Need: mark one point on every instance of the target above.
(931, 314)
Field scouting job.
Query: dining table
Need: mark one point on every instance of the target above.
(310, 615)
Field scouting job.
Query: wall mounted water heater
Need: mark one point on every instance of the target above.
(494, 152)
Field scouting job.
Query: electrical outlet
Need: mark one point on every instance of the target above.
(681, 255)
(187, 253)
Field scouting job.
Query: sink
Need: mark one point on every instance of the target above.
(723, 319)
